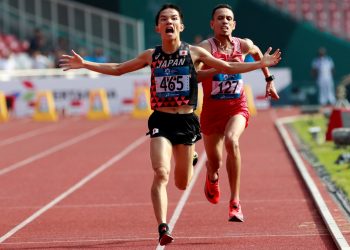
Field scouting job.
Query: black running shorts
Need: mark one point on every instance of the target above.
(177, 128)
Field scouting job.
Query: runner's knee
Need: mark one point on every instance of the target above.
(232, 144)
(161, 174)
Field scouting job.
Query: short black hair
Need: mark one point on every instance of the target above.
(170, 6)
(220, 6)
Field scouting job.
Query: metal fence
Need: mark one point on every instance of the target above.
(81, 25)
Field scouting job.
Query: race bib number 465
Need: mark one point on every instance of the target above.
(225, 86)
(172, 82)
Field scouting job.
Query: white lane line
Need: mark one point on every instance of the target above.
(185, 195)
(75, 187)
(328, 219)
(31, 134)
(87, 241)
(138, 204)
(56, 148)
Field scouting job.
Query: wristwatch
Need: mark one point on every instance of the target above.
(270, 78)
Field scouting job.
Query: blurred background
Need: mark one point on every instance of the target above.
(34, 33)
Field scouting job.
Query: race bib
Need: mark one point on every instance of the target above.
(172, 82)
(226, 86)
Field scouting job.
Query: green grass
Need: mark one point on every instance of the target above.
(325, 151)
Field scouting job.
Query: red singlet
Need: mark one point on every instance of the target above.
(224, 94)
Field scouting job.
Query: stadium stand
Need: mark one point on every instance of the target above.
(65, 25)
(327, 15)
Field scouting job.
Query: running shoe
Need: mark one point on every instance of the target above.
(212, 190)
(235, 212)
(164, 235)
(195, 158)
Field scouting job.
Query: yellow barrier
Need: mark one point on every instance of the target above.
(44, 109)
(4, 115)
(98, 105)
(250, 99)
(142, 107)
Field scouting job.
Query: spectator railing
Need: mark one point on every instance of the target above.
(83, 26)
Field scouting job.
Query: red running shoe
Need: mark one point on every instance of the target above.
(235, 212)
(164, 235)
(212, 190)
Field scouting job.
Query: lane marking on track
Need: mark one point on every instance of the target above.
(328, 219)
(32, 133)
(79, 242)
(75, 187)
(137, 204)
(56, 148)
(185, 195)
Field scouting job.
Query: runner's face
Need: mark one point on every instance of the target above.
(223, 22)
(169, 24)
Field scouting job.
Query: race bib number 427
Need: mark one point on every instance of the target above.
(172, 82)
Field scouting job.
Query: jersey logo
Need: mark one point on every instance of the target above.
(183, 52)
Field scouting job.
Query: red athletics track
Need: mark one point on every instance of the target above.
(81, 184)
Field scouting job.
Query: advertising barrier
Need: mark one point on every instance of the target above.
(71, 92)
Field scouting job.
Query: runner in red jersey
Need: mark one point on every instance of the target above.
(173, 126)
(225, 112)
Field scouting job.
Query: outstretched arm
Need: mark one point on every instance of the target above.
(201, 55)
(248, 47)
(205, 73)
(75, 61)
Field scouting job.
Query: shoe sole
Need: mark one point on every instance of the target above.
(166, 239)
(195, 159)
(236, 219)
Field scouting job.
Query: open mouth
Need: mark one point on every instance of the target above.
(169, 30)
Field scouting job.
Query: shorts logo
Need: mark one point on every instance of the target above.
(194, 138)
(155, 131)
